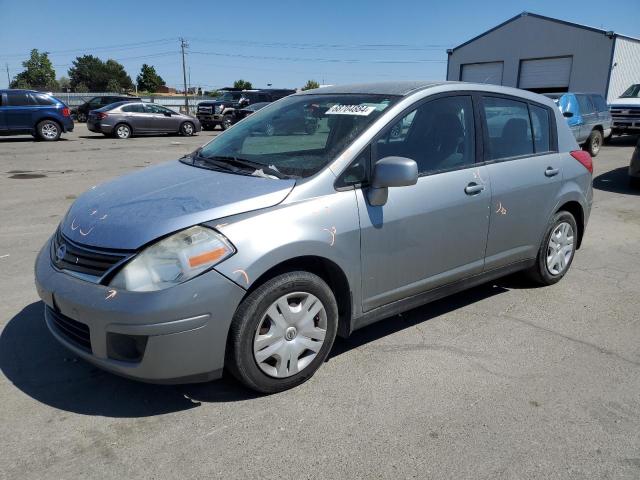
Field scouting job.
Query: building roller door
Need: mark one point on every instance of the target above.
(545, 74)
(482, 72)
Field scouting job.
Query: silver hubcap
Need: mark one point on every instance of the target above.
(49, 130)
(595, 145)
(560, 248)
(290, 334)
(187, 129)
(123, 132)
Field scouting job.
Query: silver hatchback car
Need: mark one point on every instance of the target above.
(125, 119)
(255, 251)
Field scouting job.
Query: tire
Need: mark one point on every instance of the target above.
(634, 182)
(594, 142)
(188, 129)
(122, 131)
(81, 117)
(48, 130)
(227, 122)
(541, 272)
(251, 363)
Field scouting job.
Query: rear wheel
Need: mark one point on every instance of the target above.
(122, 131)
(48, 130)
(187, 129)
(81, 117)
(556, 251)
(282, 332)
(594, 143)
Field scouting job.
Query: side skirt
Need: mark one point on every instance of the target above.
(414, 301)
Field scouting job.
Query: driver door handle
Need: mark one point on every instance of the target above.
(551, 172)
(473, 188)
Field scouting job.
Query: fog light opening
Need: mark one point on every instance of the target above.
(126, 348)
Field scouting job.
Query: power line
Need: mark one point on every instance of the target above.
(322, 60)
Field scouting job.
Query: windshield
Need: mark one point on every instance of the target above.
(632, 92)
(299, 135)
(229, 96)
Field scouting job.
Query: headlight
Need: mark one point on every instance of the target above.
(219, 108)
(174, 260)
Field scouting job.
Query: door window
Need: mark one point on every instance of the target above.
(540, 122)
(585, 105)
(133, 108)
(43, 99)
(508, 128)
(19, 99)
(438, 135)
(151, 108)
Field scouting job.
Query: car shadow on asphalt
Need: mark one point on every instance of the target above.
(27, 139)
(616, 181)
(44, 370)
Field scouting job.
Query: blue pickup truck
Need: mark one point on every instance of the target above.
(29, 112)
(588, 117)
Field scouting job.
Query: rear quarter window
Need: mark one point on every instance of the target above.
(599, 103)
(43, 99)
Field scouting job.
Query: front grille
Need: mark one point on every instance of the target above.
(68, 255)
(76, 332)
(626, 112)
(205, 109)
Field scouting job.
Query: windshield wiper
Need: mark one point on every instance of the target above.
(244, 163)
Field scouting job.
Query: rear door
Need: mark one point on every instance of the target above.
(588, 115)
(604, 116)
(520, 151)
(136, 116)
(19, 111)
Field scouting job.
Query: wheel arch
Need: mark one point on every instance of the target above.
(124, 123)
(575, 209)
(328, 271)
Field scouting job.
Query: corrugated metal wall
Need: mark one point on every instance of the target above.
(626, 67)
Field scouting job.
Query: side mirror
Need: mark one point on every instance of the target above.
(391, 172)
(567, 114)
(167, 114)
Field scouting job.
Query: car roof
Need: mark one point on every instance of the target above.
(380, 88)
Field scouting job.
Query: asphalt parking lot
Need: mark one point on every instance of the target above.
(504, 381)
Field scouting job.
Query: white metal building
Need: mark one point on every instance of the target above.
(543, 54)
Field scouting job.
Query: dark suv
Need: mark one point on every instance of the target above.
(33, 113)
(81, 112)
(222, 110)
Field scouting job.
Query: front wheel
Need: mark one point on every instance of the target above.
(557, 250)
(282, 332)
(594, 142)
(81, 117)
(227, 122)
(48, 130)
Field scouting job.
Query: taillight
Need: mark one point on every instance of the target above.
(102, 115)
(584, 158)
(65, 112)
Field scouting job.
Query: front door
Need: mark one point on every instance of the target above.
(434, 232)
(524, 169)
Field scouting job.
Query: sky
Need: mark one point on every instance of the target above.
(279, 42)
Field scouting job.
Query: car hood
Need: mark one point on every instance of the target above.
(621, 102)
(136, 209)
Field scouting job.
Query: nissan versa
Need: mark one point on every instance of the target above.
(255, 251)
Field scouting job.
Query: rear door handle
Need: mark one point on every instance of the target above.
(473, 188)
(551, 172)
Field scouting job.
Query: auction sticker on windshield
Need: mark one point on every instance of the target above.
(362, 110)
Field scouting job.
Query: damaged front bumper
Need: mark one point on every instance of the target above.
(177, 335)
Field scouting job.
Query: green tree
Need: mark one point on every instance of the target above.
(38, 73)
(115, 71)
(113, 86)
(64, 83)
(148, 80)
(96, 74)
(242, 84)
(81, 88)
(310, 85)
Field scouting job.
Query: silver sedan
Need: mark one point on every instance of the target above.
(124, 119)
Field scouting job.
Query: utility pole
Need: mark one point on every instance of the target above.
(183, 45)
(8, 77)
